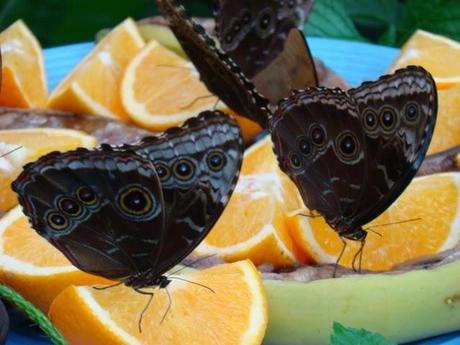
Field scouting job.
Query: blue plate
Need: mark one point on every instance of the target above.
(354, 61)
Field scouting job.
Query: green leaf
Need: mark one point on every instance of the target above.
(437, 16)
(330, 19)
(344, 336)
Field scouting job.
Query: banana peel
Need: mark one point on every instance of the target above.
(417, 301)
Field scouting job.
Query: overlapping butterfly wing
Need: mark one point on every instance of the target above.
(352, 154)
(256, 33)
(135, 211)
(217, 70)
(398, 115)
(101, 208)
(198, 167)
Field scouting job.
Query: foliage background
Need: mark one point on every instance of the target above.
(389, 22)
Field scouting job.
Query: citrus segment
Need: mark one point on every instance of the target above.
(431, 205)
(94, 85)
(438, 54)
(234, 312)
(253, 225)
(31, 265)
(447, 130)
(161, 90)
(21, 146)
(23, 71)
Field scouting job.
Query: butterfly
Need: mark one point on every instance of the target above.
(224, 78)
(131, 213)
(261, 37)
(350, 153)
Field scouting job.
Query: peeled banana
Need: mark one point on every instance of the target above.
(411, 304)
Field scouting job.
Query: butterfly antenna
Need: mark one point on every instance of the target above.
(169, 306)
(311, 215)
(147, 305)
(107, 286)
(9, 152)
(173, 66)
(389, 224)
(196, 100)
(190, 265)
(340, 256)
(191, 282)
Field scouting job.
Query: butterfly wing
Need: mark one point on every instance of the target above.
(217, 70)
(198, 166)
(374, 140)
(292, 69)
(394, 153)
(102, 208)
(253, 33)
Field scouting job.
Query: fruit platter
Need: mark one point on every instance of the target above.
(229, 181)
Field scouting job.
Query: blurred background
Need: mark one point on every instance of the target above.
(387, 22)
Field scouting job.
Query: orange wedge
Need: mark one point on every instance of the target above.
(235, 313)
(438, 54)
(94, 85)
(253, 225)
(21, 146)
(433, 200)
(23, 71)
(447, 130)
(32, 266)
(161, 90)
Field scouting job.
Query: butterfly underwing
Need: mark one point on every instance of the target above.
(257, 33)
(351, 154)
(130, 213)
(221, 75)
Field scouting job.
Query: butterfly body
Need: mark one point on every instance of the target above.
(131, 213)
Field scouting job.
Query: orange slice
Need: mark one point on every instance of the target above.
(253, 225)
(447, 130)
(32, 266)
(161, 90)
(23, 71)
(434, 199)
(21, 146)
(438, 54)
(235, 313)
(94, 85)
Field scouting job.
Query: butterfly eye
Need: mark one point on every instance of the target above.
(183, 169)
(228, 38)
(86, 196)
(412, 111)
(304, 146)
(294, 161)
(348, 145)
(387, 118)
(265, 20)
(163, 171)
(370, 120)
(135, 201)
(236, 27)
(69, 207)
(246, 18)
(216, 160)
(57, 221)
(318, 135)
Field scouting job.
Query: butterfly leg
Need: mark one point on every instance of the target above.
(340, 256)
(107, 287)
(169, 305)
(150, 294)
(359, 256)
